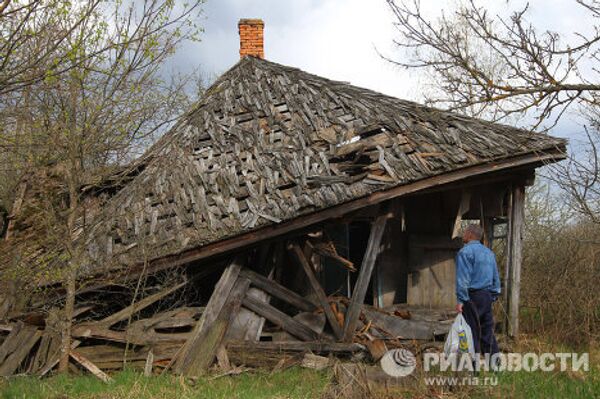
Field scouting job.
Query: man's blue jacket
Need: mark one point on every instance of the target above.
(476, 269)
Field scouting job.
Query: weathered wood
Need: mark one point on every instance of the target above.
(89, 366)
(42, 352)
(223, 358)
(107, 356)
(53, 361)
(213, 336)
(298, 346)
(279, 318)
(247, 324)
(149, 363)
(305, 221)
(362, 284)
(516, 230)
(278, 291)
(27, 338)
(10, 343)
(463, 207)
(391, 327)
(315, 362)
(314, 282)
(186, 360)
(507, 263)
(328, 250)
(136, 307)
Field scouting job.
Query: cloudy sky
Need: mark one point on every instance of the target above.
(340, 39)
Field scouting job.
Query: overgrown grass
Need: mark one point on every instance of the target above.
(291, 383)
(303, 383)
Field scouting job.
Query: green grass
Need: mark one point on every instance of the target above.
(303, 383)
(291, 383)
(546, 385)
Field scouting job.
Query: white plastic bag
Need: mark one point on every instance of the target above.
(460, 338)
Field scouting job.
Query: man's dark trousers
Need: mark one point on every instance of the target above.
(478, 313)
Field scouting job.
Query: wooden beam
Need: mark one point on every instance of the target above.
(366, 269)
(516, 231)
(296, 346)
(281, 319)
(316, 286)
(136, 307)
(186, 357)
(89, 366)
(304, 221)
(279, 291)
(27, 338)
(212, 337)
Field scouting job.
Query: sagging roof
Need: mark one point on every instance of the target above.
(269, 143)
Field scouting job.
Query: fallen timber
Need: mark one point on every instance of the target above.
(189, 340)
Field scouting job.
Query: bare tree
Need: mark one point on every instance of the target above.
(110, 98)
(499, 67)
(533, 70)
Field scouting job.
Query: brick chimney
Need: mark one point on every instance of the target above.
(251, 37)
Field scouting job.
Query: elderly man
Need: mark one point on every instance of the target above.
(477, 287)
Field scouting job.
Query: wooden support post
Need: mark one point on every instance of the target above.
(366, 269)
(516, 223)
(188, 363)
(301, 258)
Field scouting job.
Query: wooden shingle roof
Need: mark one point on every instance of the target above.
(269, 143)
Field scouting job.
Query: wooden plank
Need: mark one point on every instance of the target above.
(42, 352)
(10, 343)
(298, 346)
(516, 257)
(27, 338)
(149, 363)
(281, 319)
(279, 291)
(463, 207)
(366, 269)
(271, 231)
(301, 258)
(213, 336)
(251, 323)
(223, 358)
(136, 307)
(507, 262)
(186, 358)
(89, 366)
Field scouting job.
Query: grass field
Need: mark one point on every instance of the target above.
(292, 383)
(303, 383)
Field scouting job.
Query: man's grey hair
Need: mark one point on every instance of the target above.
(475, 230)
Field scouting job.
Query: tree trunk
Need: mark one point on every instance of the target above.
(65, 345)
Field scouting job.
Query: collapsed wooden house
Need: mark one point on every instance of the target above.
(285, 213)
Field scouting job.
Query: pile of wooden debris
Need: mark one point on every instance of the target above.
(251, 319)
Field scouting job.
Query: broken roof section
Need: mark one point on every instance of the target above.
(269, 143)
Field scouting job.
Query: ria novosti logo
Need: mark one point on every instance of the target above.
(398, 362)
(402, 362)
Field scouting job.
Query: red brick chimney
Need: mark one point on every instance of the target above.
(251, 37)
